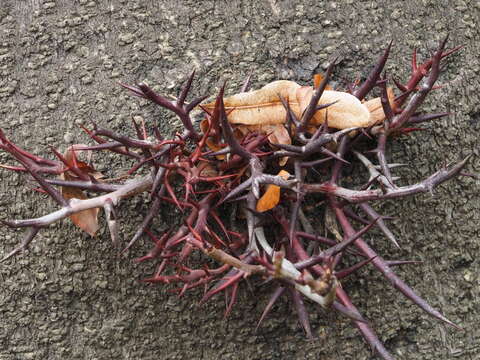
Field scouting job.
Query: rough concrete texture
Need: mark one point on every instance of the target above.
(72, 297)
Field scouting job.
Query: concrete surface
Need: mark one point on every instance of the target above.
(71, 297)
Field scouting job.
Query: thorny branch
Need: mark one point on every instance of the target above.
(229, 170)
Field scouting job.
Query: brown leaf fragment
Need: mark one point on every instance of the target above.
(271, 197)
(260, 107)
(87, 220)
(263, 106)
(317, 79)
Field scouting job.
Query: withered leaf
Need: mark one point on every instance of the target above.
(317, 79)
(271, 197)
(263, 106)
(87, 220)
(260, 107)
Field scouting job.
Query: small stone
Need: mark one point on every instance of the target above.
(67, 288)
(468, 276)
(125, 39)
(77, 267)
(68, 137)
(41, 276)
(86, 79)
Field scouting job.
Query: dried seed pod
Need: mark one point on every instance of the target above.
(263, 107)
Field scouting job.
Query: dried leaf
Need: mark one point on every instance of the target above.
(87, 220)
(317, 79)
(263, 106)
(212, 145)
(271, 197)
(260, 107)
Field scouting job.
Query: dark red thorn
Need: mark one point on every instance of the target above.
(181, 111)
(157, 249)
(92, 134)
(273, 299)
(137, 129)
(247, 82)
(116, 149)
(401, 87)
(156, 132)
(321, 107)
(414, 60)
(54, 193)
(301, 312)
(353, 315)
(427, 117)
(219, 222)
(185, 90)
(408, 130)
(402, 262)
(13, 168)
(170, 191)
(380, 222)
(154, 208)
(310, 110)
(325, 151)
(336, 249)
(291, 118)
(194, 103)
(309, 164)
(400, 99)
(159, 176)
(352, 215)
(134, 90)
(352, 269)
(321, 239)
(388, 272)
(367, 332)
(233, 299)
(471, 175)
(372, 78)
(235, 147)
(240, 188)
(387, 109)
(24, 244)
(40, 190)
(182, 203)
(216, 238)
(71, 167)
(230, 279)
(14, 149)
